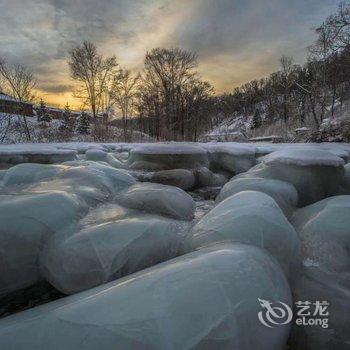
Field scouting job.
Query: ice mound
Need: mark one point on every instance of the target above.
(204, 300)
(316, 174)
(251, 218)
(325, 241)
(282, 192)
(155, 157)
(93, 182)
(96, 155)
(159, 199)
(100, 253)
(206, 178)
(27, 220)
(29, 173)
(235, 158)
(16, 154)
(181, 178)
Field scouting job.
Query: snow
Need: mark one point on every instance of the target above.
(193, 301)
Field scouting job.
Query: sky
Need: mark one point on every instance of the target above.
(236, 40)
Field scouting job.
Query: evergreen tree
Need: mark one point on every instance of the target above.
(256, 121)
(84, 124)
(42, 113)
(68, 124)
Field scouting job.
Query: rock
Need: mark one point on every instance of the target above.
(323, 228)
(181, 178)
(207, 193)
(27, 220)
(159, 199)
(206, 178)
(104, 252)
(282, 192)
(316, 174)
(204, 300)
(250, 218)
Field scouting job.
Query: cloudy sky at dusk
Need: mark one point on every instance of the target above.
(236, 40)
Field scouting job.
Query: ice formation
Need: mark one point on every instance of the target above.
(316, 174)
(27, 220)
(325, 240)
(282, 192)
(252, 218)
(100, 253)
(207, 299)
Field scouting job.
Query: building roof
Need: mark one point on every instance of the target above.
(6, 97)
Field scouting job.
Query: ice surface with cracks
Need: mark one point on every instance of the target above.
(207, 299)
(167, 156)
(251, 218)
(27, 220)
(282, 192)
(159, 199)
(235, 158)
(316, 174)
(100, 253)
(325, 244)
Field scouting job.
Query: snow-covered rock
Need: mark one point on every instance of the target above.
(235, 158)
(251, 218)
(206, 300)
(181, 178)
(282, 192)
(159, 199)
(154, 157)
(106, 251)
(323, 228)
(17, 155)
(206, 178)
(96, 155)
(27, 220)
(316, 174)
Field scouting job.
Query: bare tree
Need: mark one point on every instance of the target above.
(123, 94)
(94, 73)
(20, 82)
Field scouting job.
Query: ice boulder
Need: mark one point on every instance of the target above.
(96, 155)
(235, 158)
(16, 154)
(154, 157)
(206, 178)
(30, 173)
(104, 252)
(316, 174)
(181, 178)
(284, 193)
(252, 218)
(159, 199)
(93, 182)
(208, 299)
(325, 244)
(27, 220)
